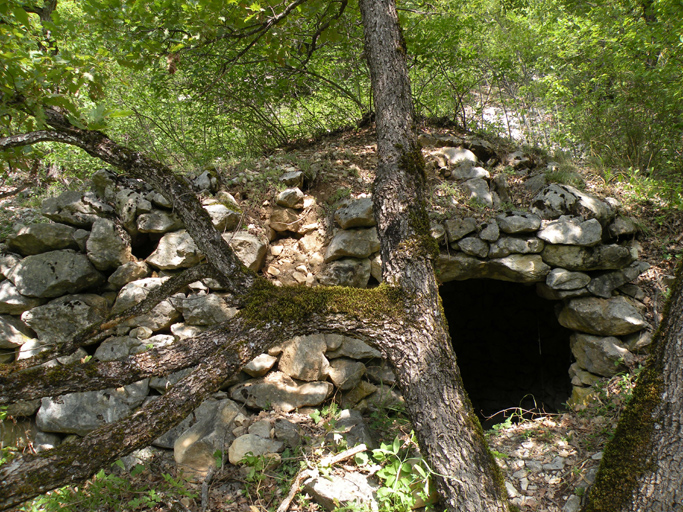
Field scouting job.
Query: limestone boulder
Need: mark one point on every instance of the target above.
(605, 284)
(546, 292)
(108, 245)
(293, 178)
(601, 257)
(260, 365)
(60, 319)
(346, 373)
(278, 390)
(450, 156)
(557, 200)
(335, 491)
(175, 250)
(159, 221)
(572, 231)
(563, 279)
(250, 249)
(358, 394)
(54, 273)
(600, 355)
(603, 317)
(287, 432)
(76, 208)
(478, 190)
(194, 450)
(356, 243)
(7, 261)
(473, 246)
(79, 413)
(118, 348)
(514, 222)
(14, 303)
(204, 310)
(356, 214)
(504, 246)
(253, 444)
(350, 430)
(286, 219)
(13, 332)
(162, 316)
(303, 358)
(37, 238)
(346, 272)
(622, 226)
(467, 172)
(457, 228)
(129, 272)
(518, 268)
(459, 267)
(129, 205)
(490, 232)
(290, 198)
(224, 218)
(354, 349)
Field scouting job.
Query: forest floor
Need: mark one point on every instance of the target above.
(549, 460)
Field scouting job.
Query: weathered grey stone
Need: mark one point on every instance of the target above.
(490, 231)
(59, 320)
(638, 341)
(535, 183)
(278, 390)
(108, 246)
(438, 232)
(291, 198)
(357, 214)
(103, 183)
(589, 206)
(251, 443)
(303, 358)
(206, 181)
(545, 292)
(346, 272)
(13, 332)
(604, 317)
(250, 249)
(450, 156)
(23, 408)
(346, 373)
(556, 200)
(194, 450)
(175, 250)
(159, 221)
(54, 273)
(76, 208)
(285, 219)
(14, 303)
(158, 199)
(501, 187)
(385, 398)
(79, 413)
(633, 291)
(381, 374)
(479, 191)
(129, 206)
(293, 179)
(572, 231)
(351, 430)
(223, 217)
(457, 228)
(260, 365)
(581, 377)
(473, 246)
(605, 284)
(601, 257)
(32, 348)
(37, 238)
(7, 262)
(287, 432)
(354, 349)
(334, 341)
(129, 272)
(182, 331)
(207, 309)
(358, 394)
(518, 160)
(518, 268)
(518, 222)
(459, 267)
(467, 171)
(117, 348)
(562, 279)
(622, 226)
(507, 245)
(599, 355)
(335, 491)
(162, 316)
(356, 243)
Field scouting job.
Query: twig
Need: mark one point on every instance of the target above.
(346, 454)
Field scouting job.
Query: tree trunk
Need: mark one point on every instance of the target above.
(642, 468)
(448, 431)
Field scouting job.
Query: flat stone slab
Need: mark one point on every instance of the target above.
(604, 317)
(278, 390)
(357, 214)
(572, 231)
(356, 243)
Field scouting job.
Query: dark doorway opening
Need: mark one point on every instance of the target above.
(511, 350)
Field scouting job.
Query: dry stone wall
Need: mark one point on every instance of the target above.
(103, 250)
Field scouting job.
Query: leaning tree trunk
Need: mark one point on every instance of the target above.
(642, 468)
(448, 431)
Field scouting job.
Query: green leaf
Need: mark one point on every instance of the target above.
(21, 15)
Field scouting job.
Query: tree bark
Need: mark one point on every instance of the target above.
(447, 429)
(642, 467)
